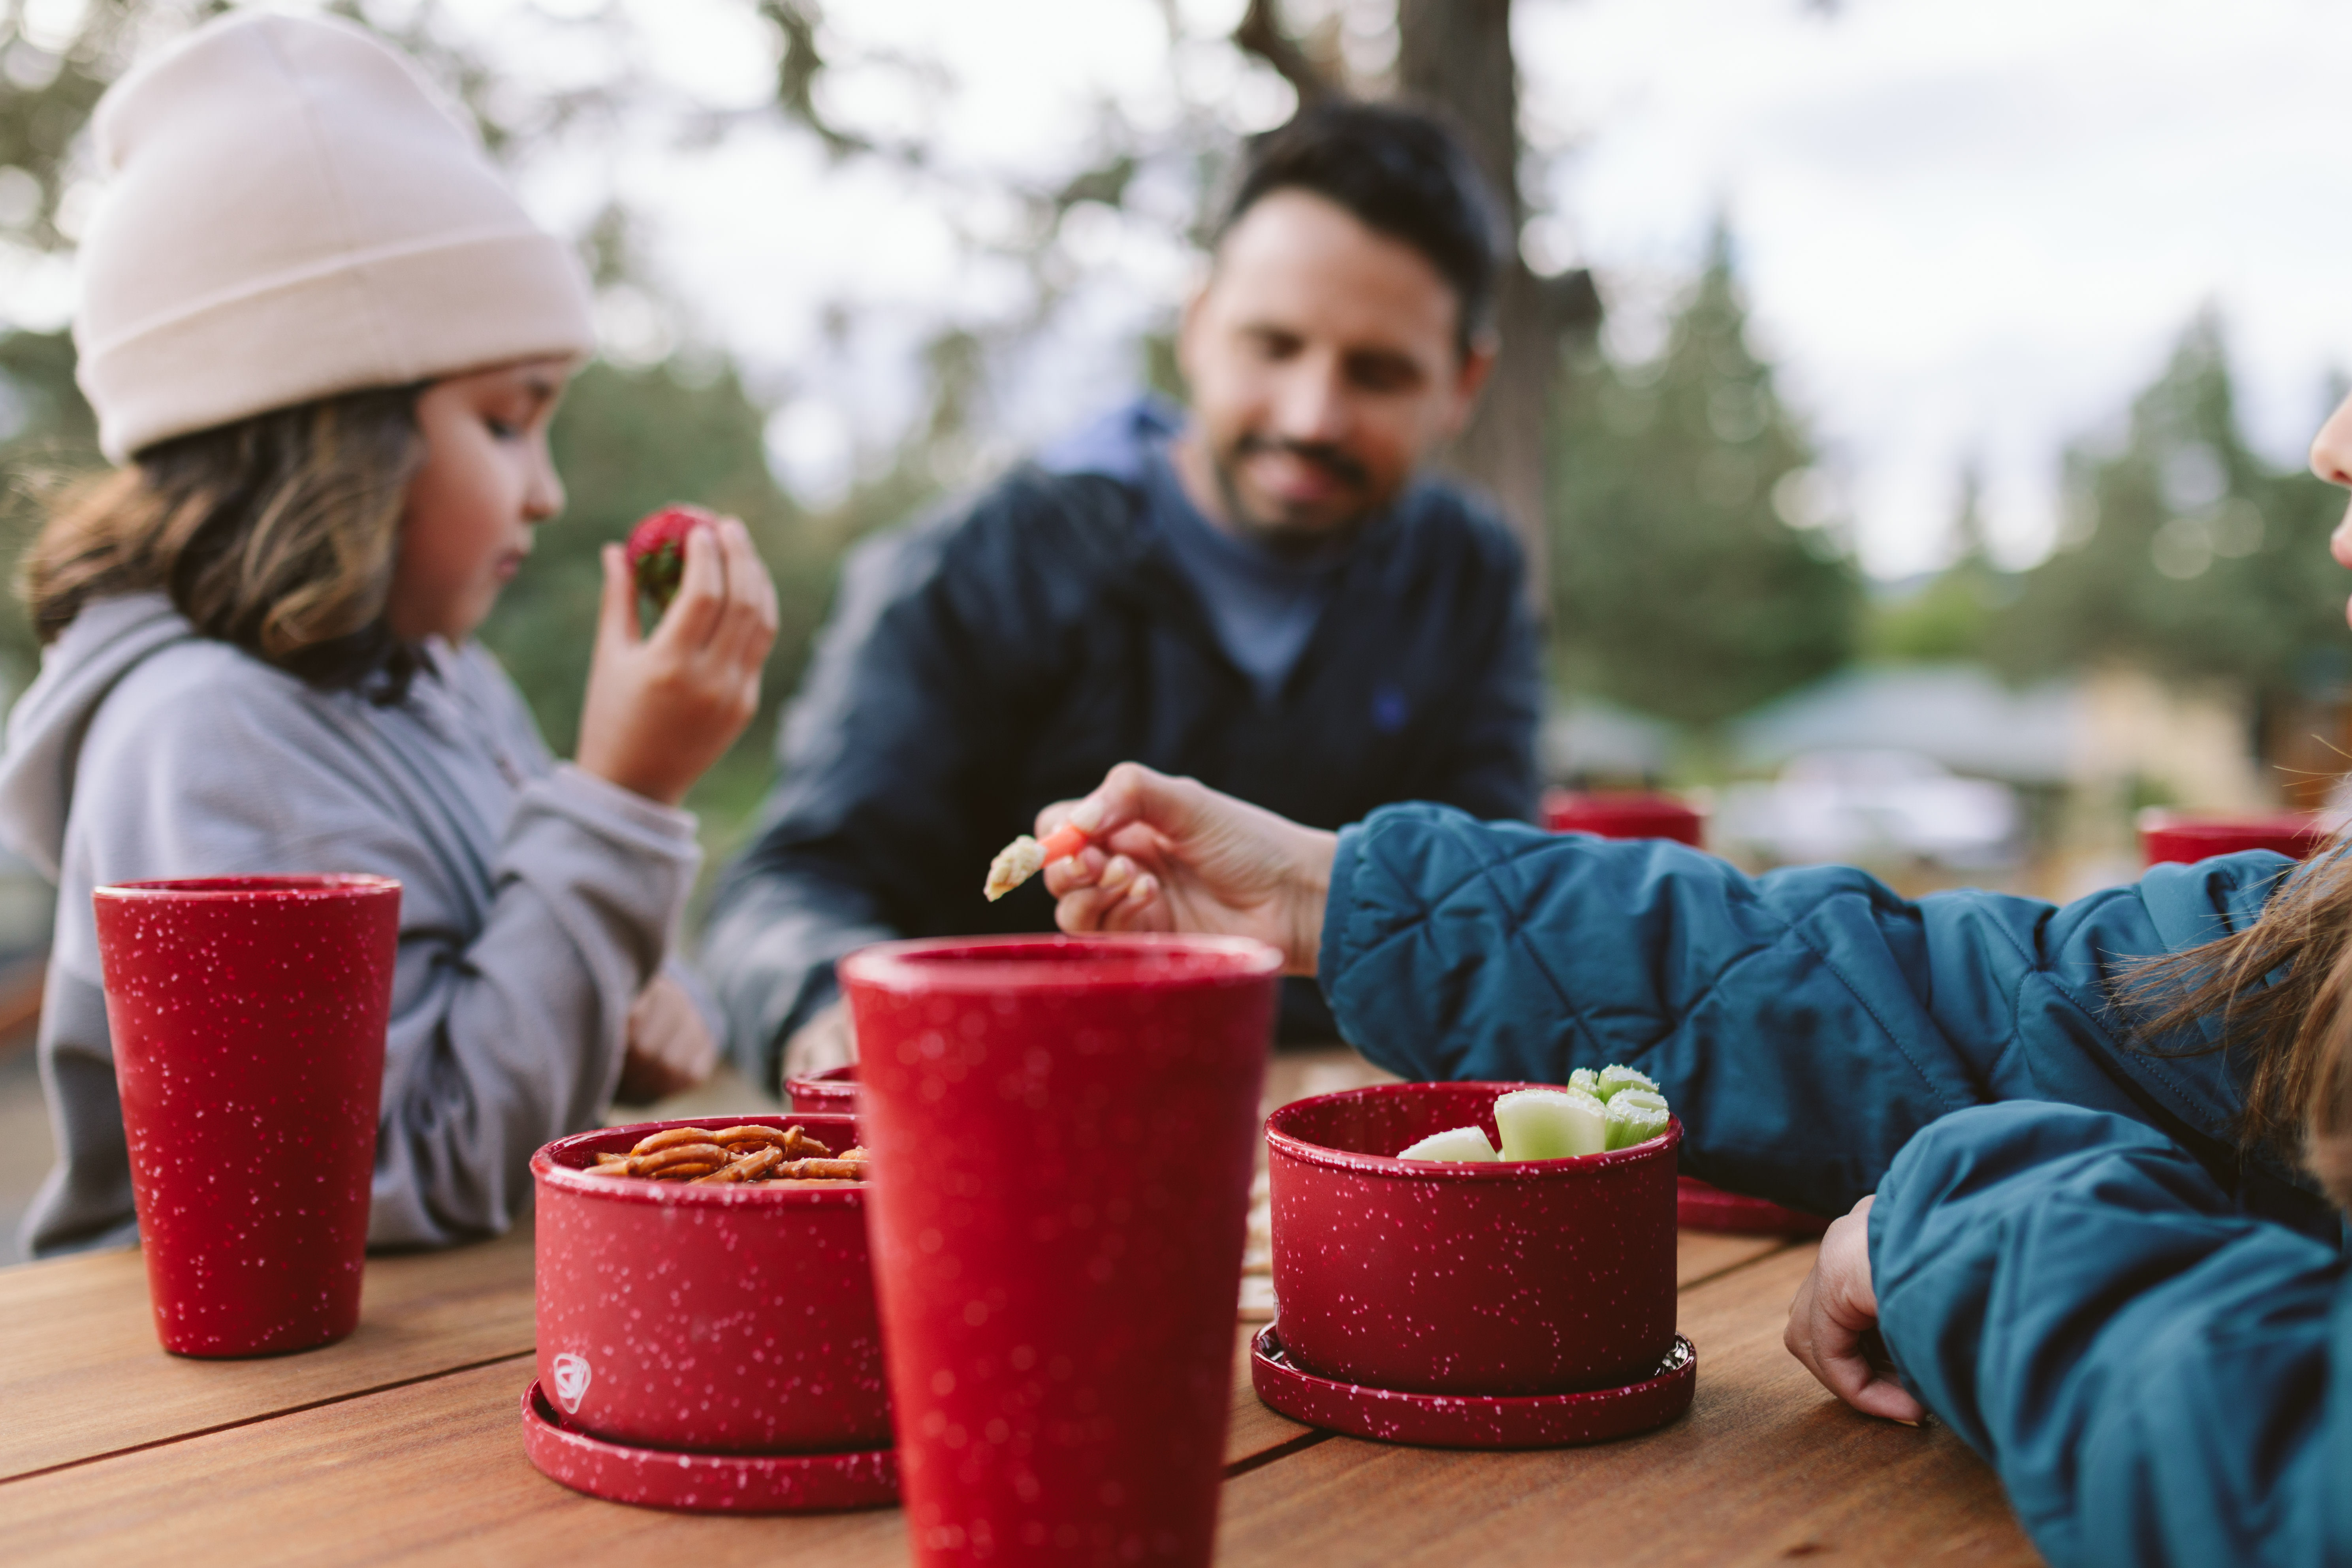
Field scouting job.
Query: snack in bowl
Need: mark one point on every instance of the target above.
(1615, 1107)
(1025, 856)
(657, 550)
(746, 1153)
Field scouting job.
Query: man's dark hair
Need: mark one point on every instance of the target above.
(1402, 174)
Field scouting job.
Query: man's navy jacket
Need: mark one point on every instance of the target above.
(1005, 655)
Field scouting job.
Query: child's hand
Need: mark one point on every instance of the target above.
(662, 709)
(1169, 854)
(1836, 1308)
(670, 1049)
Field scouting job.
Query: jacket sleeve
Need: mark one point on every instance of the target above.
(1490, 770)
(1804, 1024)
(514, 978)
(884, 756)
(2153, 1373)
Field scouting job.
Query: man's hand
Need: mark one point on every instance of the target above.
(1172, 855)
(670, 1050)
(1834, 1309)
(827, 1041)
(662, 709)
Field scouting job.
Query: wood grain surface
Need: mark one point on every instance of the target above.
(1765, 1467)
(78, 1356)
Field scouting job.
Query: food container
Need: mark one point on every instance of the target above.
(1511, 1278)
(832, 1092)
(716, 1318)
(1624, 814)
(2164, 836)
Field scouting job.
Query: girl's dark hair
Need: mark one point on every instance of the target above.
(277, 534)
(1401, 174)
(2278, 995)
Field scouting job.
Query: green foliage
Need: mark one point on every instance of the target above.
(1678, 588)
(48, 437)
(1951, 617)
(2183, 552)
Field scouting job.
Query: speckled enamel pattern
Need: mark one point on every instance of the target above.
(702, 1483)
(832, 1092)
(721, 1319)
(247, 1016)
(1510, 1277)
(1062, 1134)
(1472, 1420)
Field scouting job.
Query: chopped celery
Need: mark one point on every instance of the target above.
(1613, 1078)
(1550, 1124)
(1629, 1124)
(1586, 1079)
(1648, 1097)
(1454, 1143)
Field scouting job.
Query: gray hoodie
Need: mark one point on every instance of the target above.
(536, 900)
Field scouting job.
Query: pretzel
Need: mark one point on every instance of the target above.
(731, 1156)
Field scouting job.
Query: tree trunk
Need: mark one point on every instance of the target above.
(1455, 55)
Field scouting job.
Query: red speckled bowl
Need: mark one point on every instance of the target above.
(833, 1092)
(735, 1319)
(1622, 814)
(1521, 1277)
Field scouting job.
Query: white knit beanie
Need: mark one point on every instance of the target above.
(294, 212)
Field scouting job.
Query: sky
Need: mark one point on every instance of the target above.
(1969, 232)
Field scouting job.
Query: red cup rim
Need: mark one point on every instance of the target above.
(1388, 1165)
(208, 890)
(984, 965)
(547, 1168)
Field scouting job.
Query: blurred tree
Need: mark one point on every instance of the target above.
(1680, 586)
(2181, 551)
(1950, 615)
(48, 437)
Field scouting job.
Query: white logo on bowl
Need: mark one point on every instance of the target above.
(571, 1374)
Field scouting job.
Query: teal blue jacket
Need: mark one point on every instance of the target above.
(2042, 1286)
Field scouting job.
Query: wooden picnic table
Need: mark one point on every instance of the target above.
(403, 1444)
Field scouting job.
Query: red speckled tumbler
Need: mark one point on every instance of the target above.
(248, 1017)
(1062, 1133)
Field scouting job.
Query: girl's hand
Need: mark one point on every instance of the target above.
(662, 709)
(1834, 1316)
(1171, 855)
(670, 1049)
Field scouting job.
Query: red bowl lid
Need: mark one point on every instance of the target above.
(562, 1164)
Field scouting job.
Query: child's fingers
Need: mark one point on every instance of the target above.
(1072, 872)
(694, 616)
(748, 624)
(617, 616)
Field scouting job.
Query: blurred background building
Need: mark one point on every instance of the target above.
(1902, 402)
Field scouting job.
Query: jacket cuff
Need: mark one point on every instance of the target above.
(1338, 905)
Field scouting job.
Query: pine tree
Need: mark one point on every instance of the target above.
(2184, 552)
(1678, 586)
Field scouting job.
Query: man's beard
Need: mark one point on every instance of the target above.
(1294, 541)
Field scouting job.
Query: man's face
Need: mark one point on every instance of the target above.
(1324, 364)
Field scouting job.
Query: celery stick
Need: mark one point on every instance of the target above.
(1629, 1124)
(1613, 1078)
(1550, 1124)
(1586, 1079)
(1650, 1098)
(1454, 1143)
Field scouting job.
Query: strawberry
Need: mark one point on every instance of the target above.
(657, 551)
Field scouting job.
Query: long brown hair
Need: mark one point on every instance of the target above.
(2278, 994)
(277, 534)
